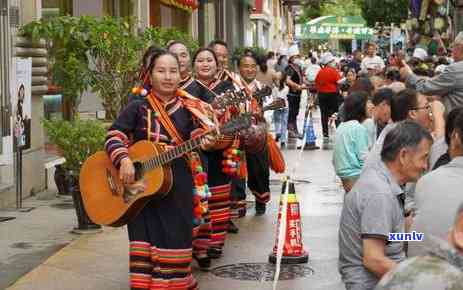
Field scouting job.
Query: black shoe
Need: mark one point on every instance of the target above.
(277, 137)
(292, 134)
(232, 228)
(311, 147)
(203, 263)
(214, 253)
(260, 208)
(282, 145)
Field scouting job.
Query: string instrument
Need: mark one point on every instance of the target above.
(275, 105)
(108, 201)
(254, 138)
(235, 98)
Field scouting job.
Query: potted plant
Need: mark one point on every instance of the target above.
(76, 140)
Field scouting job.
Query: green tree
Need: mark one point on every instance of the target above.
(342, 8)
(67, 52)
(115, 59)
(385, 11)
(101, 54)
(316, 8)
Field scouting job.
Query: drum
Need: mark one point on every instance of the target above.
(254, 138)
(224, 141)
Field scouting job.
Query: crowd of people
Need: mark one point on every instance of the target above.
(398, 152)
(397, 149)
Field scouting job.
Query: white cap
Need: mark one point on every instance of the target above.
(326, 58)
(420, 54)
(293, 50)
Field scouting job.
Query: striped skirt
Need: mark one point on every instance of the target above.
(202, 234)
(164, 269)
(219, 207)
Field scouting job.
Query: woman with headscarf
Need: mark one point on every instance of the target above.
(161, 233)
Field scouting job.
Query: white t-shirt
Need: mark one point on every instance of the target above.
(375, 61)
(312, 71)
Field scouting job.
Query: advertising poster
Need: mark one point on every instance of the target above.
(21, 102)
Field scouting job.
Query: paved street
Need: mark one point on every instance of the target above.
(99, 261)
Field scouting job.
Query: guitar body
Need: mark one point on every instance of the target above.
(106, 200)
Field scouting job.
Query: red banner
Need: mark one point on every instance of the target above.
(188, 5)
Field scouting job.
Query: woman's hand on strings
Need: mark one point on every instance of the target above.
(208, 142)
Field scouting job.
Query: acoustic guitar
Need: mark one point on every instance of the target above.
(109, 202)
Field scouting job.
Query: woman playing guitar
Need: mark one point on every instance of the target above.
(161, 234)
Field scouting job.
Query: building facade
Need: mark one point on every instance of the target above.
(273, 24)
(225, 20)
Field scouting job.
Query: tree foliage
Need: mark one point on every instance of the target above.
(76, 140)
(342, 8)
(316, 8)
(101, 54)
(385, 11)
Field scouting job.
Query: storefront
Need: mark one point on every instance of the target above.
(225, 20)
(344, 33)
(173, 13)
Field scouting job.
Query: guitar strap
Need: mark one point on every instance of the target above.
(165, 119)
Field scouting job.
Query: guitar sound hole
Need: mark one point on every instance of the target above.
(138, 170)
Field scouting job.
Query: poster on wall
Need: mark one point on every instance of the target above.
(21, 102)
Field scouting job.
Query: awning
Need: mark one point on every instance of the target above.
(334, 27)
(188, 5)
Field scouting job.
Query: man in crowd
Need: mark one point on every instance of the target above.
(410, 105)
(440, 269)
(372, 61)
(375, 207)
(438, 193)
(381, 113)
(221, 51)
(258, 163)
(448, 84)
(295, 81)
(356, 62)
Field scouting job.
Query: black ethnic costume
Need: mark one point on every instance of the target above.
(219, 182)
(161, 234)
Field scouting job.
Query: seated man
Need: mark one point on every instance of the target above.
(439, 193)
(375, 207)
(440, 269)
(381, 114)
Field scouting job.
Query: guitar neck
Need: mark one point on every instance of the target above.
(169, 155)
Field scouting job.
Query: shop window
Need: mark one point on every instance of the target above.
(118, 8)
(52, 106)
(52, 8)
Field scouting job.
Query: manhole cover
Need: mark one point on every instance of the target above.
(63, 205)
(305, 181)
(6, 218)
(261, 272)
(296, 181)
(22, 245)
